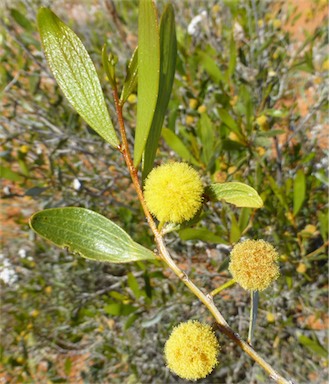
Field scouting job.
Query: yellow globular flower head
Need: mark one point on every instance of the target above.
(254, 265)
(173, 192)
(191, 350)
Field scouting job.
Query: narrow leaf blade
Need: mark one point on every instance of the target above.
(168, 53)
(206, 134)
(88, 234)
(299, 190)
(148, 74)
(210, 66)
(178, 146)
(75, 73)
(203, 234)
(131, 77)
(313, 345)
(228, 120)
(238, 194)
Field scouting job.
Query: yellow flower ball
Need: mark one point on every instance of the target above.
(191, 350)
(173, 192)
(254, 264)
(261, 120)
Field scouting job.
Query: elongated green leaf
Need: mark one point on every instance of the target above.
(239, 194)
(109, 66)
(148, 74)
(178, 146)
(233, 52)
(228, 120)
(168, 53)
(22, 20)
(203, 234)
(235, 232)
(210, 66)
(88, 234)
(313, 346)
(299, 190)
(206, 134)
(277, 191)
(75, 73)
(244, 218)
(131, 77)
(8, 174)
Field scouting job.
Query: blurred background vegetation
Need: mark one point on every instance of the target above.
(249, 104)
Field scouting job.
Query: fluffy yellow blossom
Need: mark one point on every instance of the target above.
(254, 264)
(191, 350)
(173, 192)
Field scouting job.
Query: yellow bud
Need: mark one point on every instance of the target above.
(277, 23)
(34, 313)
(272, 73)
(191, 350)
(260, 23)
(261, 151)
(290, 217)
(132, 99)
(220, 177)
(318, 80)
(234, 100)
(325, 65)
(202, 109)
(268, 16)
(193, 103)
(275, 55)
(301, 268)
(216, 8)
(189, 120)
(310, 228)
(24, 148)
(270, 317)
(284, 258)
(173, 192)
(261, 120)
(254, 264)
(48, 290)
(231, 170)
